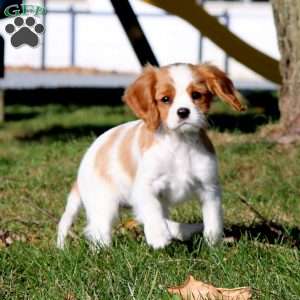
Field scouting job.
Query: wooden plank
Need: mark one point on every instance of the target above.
(1, 57)
(1, 76)
(1, 106)
(134, 32)
(234, 46)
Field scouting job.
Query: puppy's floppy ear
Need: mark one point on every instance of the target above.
(220, 85)
(139, 96)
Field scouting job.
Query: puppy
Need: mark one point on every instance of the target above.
(157, 161)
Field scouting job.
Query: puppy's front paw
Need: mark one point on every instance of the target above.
(157, 237)
(213, 236)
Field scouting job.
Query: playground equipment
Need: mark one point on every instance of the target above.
(134, 32)
(209, 26)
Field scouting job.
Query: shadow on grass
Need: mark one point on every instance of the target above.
(263, 101)
(65, 96)
(61, 133)
(269, 233)
(247, 123)
(20, 116)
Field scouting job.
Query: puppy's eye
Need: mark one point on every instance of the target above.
(196, 95)
(165, 99)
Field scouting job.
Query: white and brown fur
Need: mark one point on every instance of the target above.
(159, 160)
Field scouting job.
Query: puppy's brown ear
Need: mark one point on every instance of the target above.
(139, 96)
(220, 85)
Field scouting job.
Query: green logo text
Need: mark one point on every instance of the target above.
(23, 9)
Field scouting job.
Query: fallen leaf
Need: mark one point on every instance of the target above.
(242, 293)
(130, 226)
(193, 289)
(7, 238)
(70, 296)
(2, 244)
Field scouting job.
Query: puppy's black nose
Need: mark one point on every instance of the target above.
(183, 112)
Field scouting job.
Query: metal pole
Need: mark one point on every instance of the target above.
(201, 38)
(43, 54)
(73, 35)
(227, 23)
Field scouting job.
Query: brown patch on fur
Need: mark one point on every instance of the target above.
(140, 97)
(125, 152)
(218, 84)
(145, 94)
(101, 162)
(164, 87)
(206, 142)
(206, 97)
(145, 139)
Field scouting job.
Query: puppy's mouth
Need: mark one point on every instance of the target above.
(187, 126)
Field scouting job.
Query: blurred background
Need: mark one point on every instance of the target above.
(85, 56)
(88, 34)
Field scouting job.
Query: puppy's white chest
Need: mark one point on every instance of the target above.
(180, 186)
(175, 180)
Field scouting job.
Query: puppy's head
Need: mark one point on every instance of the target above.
(178, 96)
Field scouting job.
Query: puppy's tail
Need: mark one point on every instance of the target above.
(72, 208)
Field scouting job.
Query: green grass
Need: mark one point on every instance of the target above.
(40, 149)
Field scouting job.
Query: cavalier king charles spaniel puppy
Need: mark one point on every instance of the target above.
(157, 161)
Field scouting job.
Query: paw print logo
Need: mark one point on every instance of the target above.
(24, 33)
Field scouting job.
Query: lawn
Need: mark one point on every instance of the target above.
(40, 149)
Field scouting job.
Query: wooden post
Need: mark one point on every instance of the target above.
(1, 106)
(3, 5)
(134, 32)
(1, 76)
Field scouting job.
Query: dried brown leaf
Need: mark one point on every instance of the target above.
(70, 296)
(131, 226)
(2, 244)
(7, 238)
(197, 290)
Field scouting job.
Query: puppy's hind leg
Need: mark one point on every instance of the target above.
(71, 211)
(101, 204)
